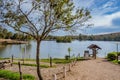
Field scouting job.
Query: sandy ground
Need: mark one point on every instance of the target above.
(9, 41)
(99, 69)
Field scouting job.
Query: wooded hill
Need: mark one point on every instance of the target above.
(102, 37)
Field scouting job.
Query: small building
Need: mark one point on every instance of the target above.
(94, 48)
(86, 54)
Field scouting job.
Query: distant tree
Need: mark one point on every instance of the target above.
(41, 18)
(4, 32)
(80, 36)
(9, 35)
(15, 36)
(69, 50)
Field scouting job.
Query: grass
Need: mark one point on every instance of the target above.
(14, 75)
(116, 62)
(4, 58)
(59, 60)
(26, 64)
(56, 60)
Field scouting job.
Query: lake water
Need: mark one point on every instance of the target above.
(56, 50)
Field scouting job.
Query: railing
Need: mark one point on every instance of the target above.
(61, 72)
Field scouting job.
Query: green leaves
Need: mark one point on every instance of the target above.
(51, 15)
(38, 0)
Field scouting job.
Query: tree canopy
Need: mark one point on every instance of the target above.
(39, 18)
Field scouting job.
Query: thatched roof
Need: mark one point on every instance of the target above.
(93, 46)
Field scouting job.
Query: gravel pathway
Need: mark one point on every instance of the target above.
(99, 69)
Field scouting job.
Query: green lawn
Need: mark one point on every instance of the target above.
(56, 60)
(14, 75)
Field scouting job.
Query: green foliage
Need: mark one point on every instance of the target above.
(115, 61)
(104, 37)
(43, 17)
(118, 62)
(64, 16)
(5, 34)
(15, 75)
(67, 57)
(63, 39)
(111, 56)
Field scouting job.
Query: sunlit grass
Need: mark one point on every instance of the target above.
(15, 75)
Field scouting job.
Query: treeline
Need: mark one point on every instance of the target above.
(104, 37)
(5, 34)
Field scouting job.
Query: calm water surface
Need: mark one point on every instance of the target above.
(58, 50)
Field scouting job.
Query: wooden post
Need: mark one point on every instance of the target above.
(69, 67)
(12, 60)
(23, 60)
(64, 72)
(54, 77)
(50, 61)
(117, 52)
(19, 65)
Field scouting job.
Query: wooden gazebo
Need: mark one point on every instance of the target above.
(94, 48)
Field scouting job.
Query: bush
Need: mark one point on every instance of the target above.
(118, 62)
(111, 56)
(67, 57)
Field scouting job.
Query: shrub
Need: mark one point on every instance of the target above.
(67, 57)
(118, 62)
(111, 56)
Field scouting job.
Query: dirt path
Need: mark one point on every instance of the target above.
(99, 69)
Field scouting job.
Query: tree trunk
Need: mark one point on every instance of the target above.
(38, 61)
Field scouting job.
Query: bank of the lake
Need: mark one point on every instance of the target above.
(9, 41)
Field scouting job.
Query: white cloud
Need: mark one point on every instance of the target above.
(109, 4)
(105, 20)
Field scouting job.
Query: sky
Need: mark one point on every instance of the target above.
(105, 15)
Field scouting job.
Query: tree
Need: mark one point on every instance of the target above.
(41, 18)
(69, 50)
(9, 35)
(5, 31)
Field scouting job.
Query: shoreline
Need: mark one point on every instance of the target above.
(9, 41)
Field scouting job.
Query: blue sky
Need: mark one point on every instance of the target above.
(105, 15)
